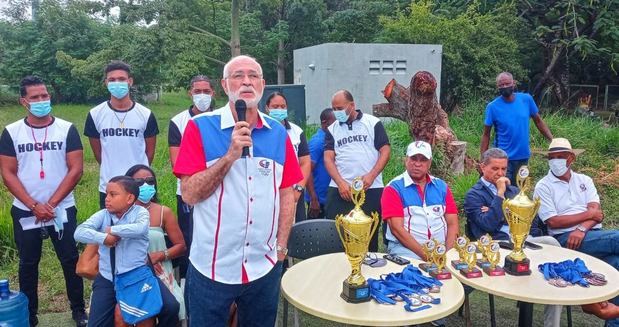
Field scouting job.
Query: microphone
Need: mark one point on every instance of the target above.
(241, 111)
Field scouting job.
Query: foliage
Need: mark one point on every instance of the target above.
(476, 46)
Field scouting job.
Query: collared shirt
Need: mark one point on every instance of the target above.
(27, 144)
(235, 228)
(493, 189)
(565, 198)
(132, 228)
(320, 175)
(356, 146)
(423, 210)
(175, 133)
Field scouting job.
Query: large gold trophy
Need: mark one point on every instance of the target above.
(519, 213)
(356, 230)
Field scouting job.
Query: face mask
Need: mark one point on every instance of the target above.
(558, 167)
(41, 108)
(341, 115)
(59, 220)
(278, 114)
(506, 91)
(202, 101)
(118, 89)
(147, 192)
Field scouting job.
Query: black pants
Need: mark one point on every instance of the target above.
(338, 206)
(29, 245)
(102, 200)
(300, 211)
(185, 222)
(103, 305)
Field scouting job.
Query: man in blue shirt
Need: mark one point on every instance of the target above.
(317, 186)
(509, 114)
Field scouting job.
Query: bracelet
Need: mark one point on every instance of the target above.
(50, 206)
(166, 255)
(34, 206)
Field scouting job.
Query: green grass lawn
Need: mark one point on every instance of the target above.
(600, 161)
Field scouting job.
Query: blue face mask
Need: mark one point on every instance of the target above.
(341, 115)
(59, 220)
(118, 89)
(40, 108)
(278, 114)
(147, 192)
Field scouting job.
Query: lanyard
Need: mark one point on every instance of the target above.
(410, 283)
(568, 270)
(41, 173)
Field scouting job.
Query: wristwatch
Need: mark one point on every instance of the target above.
(582, 228)
(282, 249)
(298, 188)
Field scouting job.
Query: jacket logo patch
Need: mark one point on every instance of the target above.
(264, 167)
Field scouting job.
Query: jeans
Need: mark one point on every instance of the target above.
(103, 305)
(512, 169)
(185, 222)
(208, 302)
(602, 244)
(29, 245)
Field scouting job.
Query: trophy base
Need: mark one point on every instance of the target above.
(517, 268)
(472, 273)
(427, 267)
(458, 264)
(483, 264)
(497, 271)
(355, 294)
(440, 274)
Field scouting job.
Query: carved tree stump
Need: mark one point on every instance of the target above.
(418, 106)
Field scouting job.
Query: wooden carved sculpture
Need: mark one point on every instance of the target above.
(418, 106)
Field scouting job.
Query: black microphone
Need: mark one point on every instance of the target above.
(241, 110)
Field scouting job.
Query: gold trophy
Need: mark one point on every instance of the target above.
(494, 256)
(461, 243)
(519, 213)
(356, 230)
(440, 251)
(428, 249)
(483, 245)
(470, 258)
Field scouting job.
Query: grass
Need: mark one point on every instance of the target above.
(600, 161)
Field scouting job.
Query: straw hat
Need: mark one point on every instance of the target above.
(561, 145)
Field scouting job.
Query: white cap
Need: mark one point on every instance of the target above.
(419, 147)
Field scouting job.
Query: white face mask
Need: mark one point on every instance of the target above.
(202, 101)
(558, 166)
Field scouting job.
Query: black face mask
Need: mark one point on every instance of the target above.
(506, 91)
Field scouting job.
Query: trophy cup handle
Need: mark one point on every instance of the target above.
(338, 227)
(375, 223)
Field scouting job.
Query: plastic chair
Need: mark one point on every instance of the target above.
(311, 238)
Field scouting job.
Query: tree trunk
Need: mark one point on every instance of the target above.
(456, 152)
(235, 39)
(398, 97)
(281, 63)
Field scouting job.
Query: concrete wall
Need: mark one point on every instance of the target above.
(363, 69)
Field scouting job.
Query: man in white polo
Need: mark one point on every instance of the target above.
(571, 208)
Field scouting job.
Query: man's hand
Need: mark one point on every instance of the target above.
(368, 180)
(111, 240)
(43, 213)
(241, 137)
(501, 186)
(596, 214)
(484, 209)
(280, 256)
(314, 208)
(344, 190)
(575, 239)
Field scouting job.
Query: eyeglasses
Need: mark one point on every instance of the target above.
(239, 76)
(147, 180)
(372, 260)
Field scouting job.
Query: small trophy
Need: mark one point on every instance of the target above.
(483, 245)
(470, 258)
(460, 246)
(519, 213)
(428, 249)
(356, 230)
(494, 256)
(439, 254)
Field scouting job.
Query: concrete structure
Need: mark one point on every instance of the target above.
(363, 69)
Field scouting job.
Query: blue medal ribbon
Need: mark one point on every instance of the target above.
(569, 270)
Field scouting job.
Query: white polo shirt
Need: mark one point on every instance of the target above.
(562, 198)
(175, 134)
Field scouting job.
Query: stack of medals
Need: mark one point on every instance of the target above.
(568, 273)
(409, 286)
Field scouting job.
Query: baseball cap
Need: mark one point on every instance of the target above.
(419, 147)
